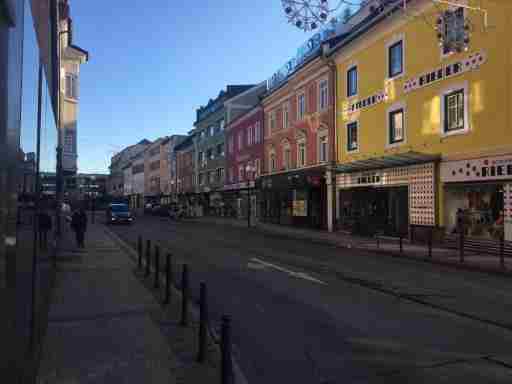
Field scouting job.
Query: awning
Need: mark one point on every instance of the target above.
(390, 161)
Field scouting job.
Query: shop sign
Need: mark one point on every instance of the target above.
(300, 208)
(490, 168)
(472, 62)
(367, 102)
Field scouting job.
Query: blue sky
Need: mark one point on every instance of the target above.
(152, 63)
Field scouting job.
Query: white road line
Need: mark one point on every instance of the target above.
(300, 275)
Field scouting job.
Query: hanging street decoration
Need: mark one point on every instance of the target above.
(309, 15)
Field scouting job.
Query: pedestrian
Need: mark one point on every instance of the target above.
(45, 226)
(79, 225)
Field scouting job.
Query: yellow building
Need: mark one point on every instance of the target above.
(424, 133)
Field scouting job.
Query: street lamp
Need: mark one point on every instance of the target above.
(249, 170)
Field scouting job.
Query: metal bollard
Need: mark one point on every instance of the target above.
(502, 251)
(226, 365)
(184, 296)
(461, 247)
(401, 244)
(203, 323)
(157, 267)
(148, 256)
(139, 251)
(168, 274)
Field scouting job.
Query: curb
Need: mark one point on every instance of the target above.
(451, 264)
(238, 375)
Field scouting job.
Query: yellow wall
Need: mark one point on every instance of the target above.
(489, 87)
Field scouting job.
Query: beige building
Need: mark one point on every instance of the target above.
(72, 57)
(152, 170)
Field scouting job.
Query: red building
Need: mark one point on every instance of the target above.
(244, 161)
(185, 173)
(299, 146)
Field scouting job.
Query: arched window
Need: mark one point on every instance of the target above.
(301, 149)
(272, 160)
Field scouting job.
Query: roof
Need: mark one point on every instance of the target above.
(184, 144)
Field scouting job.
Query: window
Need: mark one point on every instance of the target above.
(257, 133)
(454, 111)
(211, 177)
(231, 144)
(221, 125)
(201, 179)
(286, 115)
(209, 154)
(272, 162)
(322, 149)
(301, 153)
(240, 140)
(396, 126)
(301, 108)
(324, 94)
(210, 130)
(287, 156)
(220, 175)
(250, 135)
(395, 55)
(352, 82)
(71, 86)
(352, 137)
(201, 159)
(272, 122)
(202, 135)
(220, 149)
(454, 34)
(257, 165)
(240, 172)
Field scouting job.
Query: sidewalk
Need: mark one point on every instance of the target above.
(105, 325)
(385, 246)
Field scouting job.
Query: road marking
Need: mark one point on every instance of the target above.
(300, 275)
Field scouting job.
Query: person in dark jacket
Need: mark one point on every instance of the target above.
(79, 225)
(45, 226)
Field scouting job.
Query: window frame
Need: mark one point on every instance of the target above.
(299, 115)
(446, 92)
(257, 132)
(323, 135)
(272, 163)
(445, 54)
(286, 115)
(71, 80)
(287, 160)
(399, 40)
(320, 88)
(302, 142)
(347, 127)
(395, 108)
(349, 70)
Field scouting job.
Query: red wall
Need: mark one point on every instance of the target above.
(247, 153)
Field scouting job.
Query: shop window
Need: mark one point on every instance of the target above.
(352, 81)
(454, 111)
(324, 94)
(396, 126)
(352, 136)
(395, 59)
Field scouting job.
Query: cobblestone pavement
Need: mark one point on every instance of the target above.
(305, 312)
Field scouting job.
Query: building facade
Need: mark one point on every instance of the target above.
(137, 182)
(209, 144)
(416, 95)
(299, 141)
(186, 164)
(118, 162)
(153, 170)
(244, 152)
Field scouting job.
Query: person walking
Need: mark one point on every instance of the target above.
(79, 225)
(45, 226)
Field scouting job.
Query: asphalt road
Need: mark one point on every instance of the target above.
(308, 313)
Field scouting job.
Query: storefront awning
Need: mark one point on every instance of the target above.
(390, 161)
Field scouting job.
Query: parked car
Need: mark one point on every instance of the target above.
(119, 213)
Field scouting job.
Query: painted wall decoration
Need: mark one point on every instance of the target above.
(471, 63)
(482, 169)
(419, 178)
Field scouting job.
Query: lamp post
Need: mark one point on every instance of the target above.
(249, 170)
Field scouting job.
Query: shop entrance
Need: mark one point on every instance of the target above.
(366, 211)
